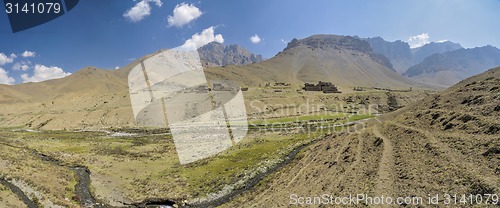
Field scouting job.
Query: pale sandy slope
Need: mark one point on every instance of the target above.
(94, 98)
(301, 64)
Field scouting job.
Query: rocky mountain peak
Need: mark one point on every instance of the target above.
(326, 42)
(433, 48)
(340, 43)
(217, 54)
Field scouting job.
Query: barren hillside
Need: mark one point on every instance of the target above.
(95, 98)
(344, 60)
(446, 144)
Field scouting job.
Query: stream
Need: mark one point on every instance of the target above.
(19, 193)
(228, 197)
(82, 190)
(85, 198)
(252, 182)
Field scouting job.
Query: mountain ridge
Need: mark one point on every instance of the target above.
(343, 60)
(403, 57)
(456, 65)
(398, 52)
(216, 54)
(94, 98)
(338, 42)
(432, 48)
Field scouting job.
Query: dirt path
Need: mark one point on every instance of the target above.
(386, 172)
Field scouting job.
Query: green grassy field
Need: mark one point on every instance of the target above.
(300, 118)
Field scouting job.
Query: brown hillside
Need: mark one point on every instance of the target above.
(94, 98)
(344, 60)
(446, 144)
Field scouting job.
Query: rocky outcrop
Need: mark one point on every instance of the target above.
(338, 42)
(398, 52)
(216, 54)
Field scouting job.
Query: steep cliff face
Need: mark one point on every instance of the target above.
(398, 52)
(337, 42)
(216, 54)
(403, 57)
(343, 60)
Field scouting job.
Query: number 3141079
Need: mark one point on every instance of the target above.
(33, 8)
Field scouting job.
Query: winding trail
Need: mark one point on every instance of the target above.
(386, 175)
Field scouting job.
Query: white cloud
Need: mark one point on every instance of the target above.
(255, 39)
(284, 41)
(157, 2)
(42, 73)
(27, 54)
(418, 40)
(441, 41)
(23, 65)
(4, 59)
(4, 77)
(141, 10)
(184, 14)
(117, 67)
(199, 40)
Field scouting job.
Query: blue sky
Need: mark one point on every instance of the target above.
(107, 33)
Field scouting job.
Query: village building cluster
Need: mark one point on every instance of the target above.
(325, 87)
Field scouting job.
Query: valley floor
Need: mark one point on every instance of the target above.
(342, 152)
(140, 167)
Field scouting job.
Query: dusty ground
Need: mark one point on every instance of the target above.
(131, 169)
(445, 144)
(146, 166)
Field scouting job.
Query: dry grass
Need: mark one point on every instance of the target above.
(46, 181)
(445, 144)
(146, 166)
(131, 169)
